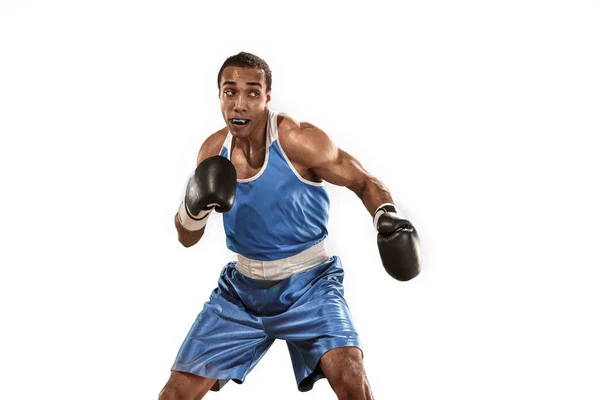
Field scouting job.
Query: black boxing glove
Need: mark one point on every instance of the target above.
(398, 243)
(211, 187)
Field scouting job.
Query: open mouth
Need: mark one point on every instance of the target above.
(236, 121)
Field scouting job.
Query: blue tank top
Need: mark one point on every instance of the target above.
(276, 213)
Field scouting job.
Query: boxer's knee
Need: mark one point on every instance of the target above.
(345, 372)
(184, 386)
(351, 384)
(169, 392)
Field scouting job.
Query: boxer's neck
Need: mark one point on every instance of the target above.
(255, 142)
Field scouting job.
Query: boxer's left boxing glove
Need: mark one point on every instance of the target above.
(398, 243)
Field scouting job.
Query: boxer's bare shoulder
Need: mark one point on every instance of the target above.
(212, 145)
(314, 151)
(305, 145)
(304, 142)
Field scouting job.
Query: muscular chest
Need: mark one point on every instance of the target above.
(247, 165)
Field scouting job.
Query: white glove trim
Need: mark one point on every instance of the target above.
(380, 211)
(192, 223)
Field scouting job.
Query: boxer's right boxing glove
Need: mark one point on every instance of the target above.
(211, 187)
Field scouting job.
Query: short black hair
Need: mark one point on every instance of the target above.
(246, 60)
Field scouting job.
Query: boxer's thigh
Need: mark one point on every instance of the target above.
(318, 322)
(225, 341)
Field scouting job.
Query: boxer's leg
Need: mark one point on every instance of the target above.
(317, 322)
(224, 343)
(343, 368)
(184, 386)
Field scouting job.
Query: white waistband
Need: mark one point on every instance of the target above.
(285, 267)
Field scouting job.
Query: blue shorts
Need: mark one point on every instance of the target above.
(244, 316)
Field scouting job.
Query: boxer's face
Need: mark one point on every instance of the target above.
(244, 97)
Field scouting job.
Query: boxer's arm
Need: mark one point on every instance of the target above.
(311, 147)
(210, 147)
(397, 238)
(185, 237)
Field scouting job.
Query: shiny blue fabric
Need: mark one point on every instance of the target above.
(275, 215)
(244, 316)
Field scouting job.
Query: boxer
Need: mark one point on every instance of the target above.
(265, 172)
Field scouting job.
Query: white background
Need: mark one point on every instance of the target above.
(480, 117)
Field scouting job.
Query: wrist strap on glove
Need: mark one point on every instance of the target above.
(382, 209)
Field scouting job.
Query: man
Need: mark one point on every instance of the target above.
(265, 172)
